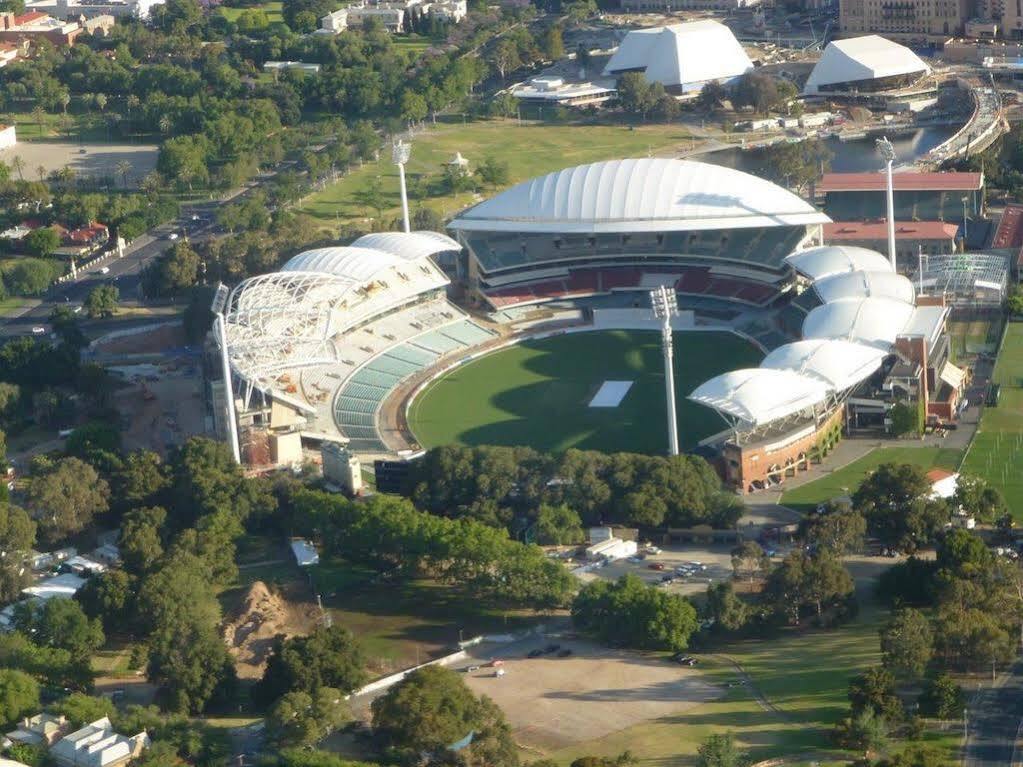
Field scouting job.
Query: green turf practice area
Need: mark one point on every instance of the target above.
(843, 481)
(997, 448)
(538, 393)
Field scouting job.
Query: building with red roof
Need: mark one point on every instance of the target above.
(932, 237)
(918, 196)
(36, 24)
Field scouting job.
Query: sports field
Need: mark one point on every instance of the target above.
(997, 448)
(538, 393)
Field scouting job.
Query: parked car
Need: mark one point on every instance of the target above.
(470, 669)
(564, 653)
(535, 653)
(656, 566)
(552, 648)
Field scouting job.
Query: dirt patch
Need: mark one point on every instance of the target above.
(155, 340)
(262, 617)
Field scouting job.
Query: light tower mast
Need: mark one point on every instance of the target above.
(218, 307)
(665, 305)
(887, 151)
(400, 152)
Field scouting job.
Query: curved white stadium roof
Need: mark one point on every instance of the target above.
(292, 318)
(840, 364)
(866, 285)
(874, 321)
(644, 195)
(757, 396)
(862, 58)
(827, 260)
(681, 55)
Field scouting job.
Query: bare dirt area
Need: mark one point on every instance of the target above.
(552, 701)
(261, 618)
(155, 340)
(161, 406)
(87, 160)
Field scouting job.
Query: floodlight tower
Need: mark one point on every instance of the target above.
(665, 305)
(400, 152)
(217, 307)
(887, 151)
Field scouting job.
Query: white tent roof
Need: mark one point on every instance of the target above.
(874, 321)
(885, 284)
(840, 364)
(757, 396)
(408, 244)
(862, 58)
(686, 55)
(645, 195)
(826, 260)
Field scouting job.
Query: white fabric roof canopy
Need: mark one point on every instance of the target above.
(643, 195)
(863, 58)
(873, 321)
(827, 260)
(682, 55)
(840, 364)
(885, 284)
(757, 396)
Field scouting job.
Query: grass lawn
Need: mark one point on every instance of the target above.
(537, 393)
(11, 304)
(805, 674)
(412, 43)
(529, 150)
(845, 480)
(271, 9)
(996, 450)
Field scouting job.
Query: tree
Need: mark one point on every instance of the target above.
(558, 525)
(724, 608)
(80, 709)
(30, 276)
(794, 165)
(750, 561)
(756, 90)
(803, 581)
(906, 420)
(895, 501)
(141, 541)
(191, 666)
(432, 709)
(65, 498)
(976, 498)
(505, 57)
(59, 623)
(493, 172)
(874, 690)
(866, 731)
(916, 755)
(19, 695)
(110, 597)
(17, 535)
(371, 196)
(302, 718)
(102, 301)
(837, 529)
(634, 614)
(634, 94)
(42, 242)
(175, 271)
(712, 95)
(413, 107)
(330, 657)
(552, 43)
(907, 643)
(720, 750)
(942, 698)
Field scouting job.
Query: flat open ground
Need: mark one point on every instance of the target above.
(844, 481)
(529, 149)
(997, 451)
(553, 702)
(98, 159)
(537, 393)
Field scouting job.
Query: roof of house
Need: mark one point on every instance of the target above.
(87, 233)
(878, 230)
(29, 17)
(901, 182)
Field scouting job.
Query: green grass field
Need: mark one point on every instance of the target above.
(529, 149)
(997, 448)
(845, 480)
(538, 392)
(971, 338)
(271, 9)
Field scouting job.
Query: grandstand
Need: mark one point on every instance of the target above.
(628, 225)
(864, 331)
(919, 196)
(320, 344)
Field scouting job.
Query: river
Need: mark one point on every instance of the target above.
(850, 156)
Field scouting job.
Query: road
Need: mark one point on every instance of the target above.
(994, 719)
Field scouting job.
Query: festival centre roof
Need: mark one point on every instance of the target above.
(644, 195)
(681, 55)
(862, 58)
